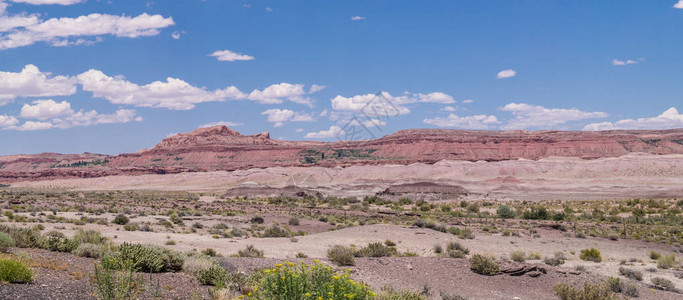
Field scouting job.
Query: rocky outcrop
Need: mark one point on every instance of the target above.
(221, 148)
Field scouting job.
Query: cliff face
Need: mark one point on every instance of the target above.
(221, 148)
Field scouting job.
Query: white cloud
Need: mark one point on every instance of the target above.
(32, 125)
(385, 104)
(467, 101)
(299, 130)
(7, 121)
(81, 118)
(506, 73)
(281, 116)
(449, 108)
(679, 4)
(667, 120)
(42, 2)
(276, 93)
(72, 31)
(223, 123)
(527, 116)
(30, 82)
(227, 55)
(323, 113)
(357, 18)
(268, 9)
(316, 88)
(176, 34)
(45, 109)
(173, 94)
(325, 134)
(616, 62)
(468, 122)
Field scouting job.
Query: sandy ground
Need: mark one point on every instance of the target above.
(634, 175)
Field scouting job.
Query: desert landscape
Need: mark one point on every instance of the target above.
(580, 212)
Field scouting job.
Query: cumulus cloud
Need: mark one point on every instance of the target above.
(281, 116)
(384, 104)
(42, 2)
(467, 101)
(176, 34)
(468, 122)
(22, 30)
(31, 82)
(527, 116)
(51, 114)
(221, 123)
(679, 4)
(616, 62)
(667, 120)
(325, 134)
(316, 88)
(506, 74)
(45, 109)
(6, 121)
(174, 93)
(357, 18)
(449, 108)
(227, 55)
(276, 93)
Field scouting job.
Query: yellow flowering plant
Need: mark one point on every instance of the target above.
(291, 281)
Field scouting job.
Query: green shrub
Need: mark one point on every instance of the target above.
(655, 255)
(557, 259)
(666, 261)
(484, 265)
(614, 284)
(275, 231)
(250, 251)
(663, 284)
(109, 284)
(89, 250)
(340, 255)
(505, 212)
(60, 244)
(209, 252)
(193, 264)
(214, 275)
(518, 256)
(456, 250)
(293, 221)
(121, 219)
(14, 271)
(376, 249)
(591, 254)
(89, 236)
(388, 293)
(6, 242)
(599, 291)
(389, 243)
(149, 258)
(131, 227)
(23, 237)
(631, 274)
(292, 281)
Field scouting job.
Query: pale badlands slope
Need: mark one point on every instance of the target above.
(632, 175)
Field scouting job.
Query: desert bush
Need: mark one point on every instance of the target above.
(6, 242)
(275, 231)
(591, 254)
(89, 236)
(655, 255)
(250, 251)
(389, 243)
(193, 264)
(518, 256)
(109, 284)
(23, 237)
(505, 212)
(214, 275)
(210, 252)
(340, 255)
(89, 250)
(614, 284)
(483, 265)
(121, 219)
(149, 258)
(60, 244)
(630, 290)
(257, 220)
(663, 284)
(292, 281)
(388, 293)
(293, 221)
(131, 227)
(631, 274)
(438, 249)
(376, 249)
(456, 250)
(666, 261)
(14, 271)
(557, 259)
(599, 291)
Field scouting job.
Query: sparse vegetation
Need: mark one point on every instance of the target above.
(14, 271)
(483, 265)
(591, 254)
(341, 255)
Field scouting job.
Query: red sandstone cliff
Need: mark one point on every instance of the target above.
(221, 148)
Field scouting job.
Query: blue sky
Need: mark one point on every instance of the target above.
(118, 76)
